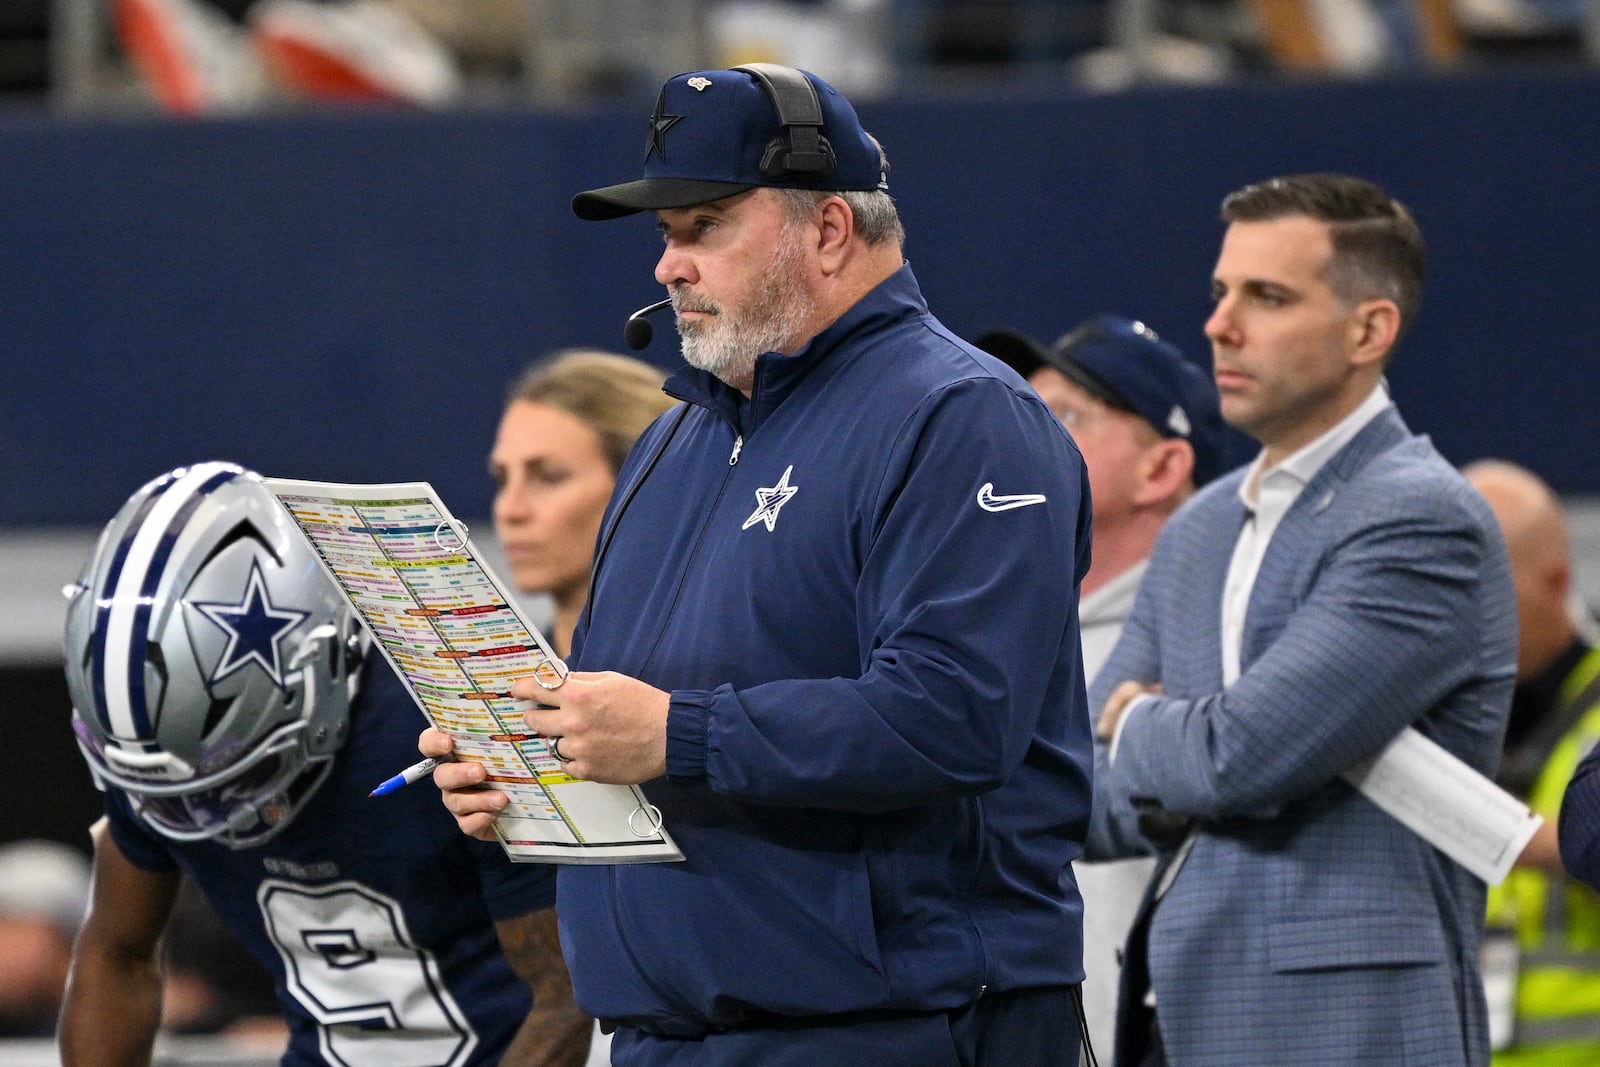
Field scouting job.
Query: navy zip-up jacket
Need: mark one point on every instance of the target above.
(860, 587)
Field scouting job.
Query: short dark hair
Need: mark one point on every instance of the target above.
(1378, 249)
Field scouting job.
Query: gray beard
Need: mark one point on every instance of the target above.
(726, 345)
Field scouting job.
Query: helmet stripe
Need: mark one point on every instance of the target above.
(141, 560)
(96, 667)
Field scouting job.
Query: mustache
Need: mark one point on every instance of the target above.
(683, 300)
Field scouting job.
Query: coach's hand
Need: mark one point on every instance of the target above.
(460, 784)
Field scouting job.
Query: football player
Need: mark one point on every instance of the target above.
(230, 708)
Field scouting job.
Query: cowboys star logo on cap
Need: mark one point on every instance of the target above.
(659, 125)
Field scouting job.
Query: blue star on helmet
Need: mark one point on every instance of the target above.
(254, 628)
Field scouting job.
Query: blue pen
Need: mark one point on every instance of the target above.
(414, 773)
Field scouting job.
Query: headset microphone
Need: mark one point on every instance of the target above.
(636, 331)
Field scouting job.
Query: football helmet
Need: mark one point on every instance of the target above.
(210, 660)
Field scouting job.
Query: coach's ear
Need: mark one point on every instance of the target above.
(835, 225)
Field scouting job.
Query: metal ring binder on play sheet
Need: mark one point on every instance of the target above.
(458, 639)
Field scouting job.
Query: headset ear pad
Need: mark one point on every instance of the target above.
(803, 153)
(799, 153)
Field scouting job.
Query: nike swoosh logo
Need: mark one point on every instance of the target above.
(988, 501)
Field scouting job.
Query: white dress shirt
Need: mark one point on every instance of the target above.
(1267, 494)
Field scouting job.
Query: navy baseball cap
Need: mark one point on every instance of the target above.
(1124, 364)
(1128, 366)
(715, 133)
(1016, 350)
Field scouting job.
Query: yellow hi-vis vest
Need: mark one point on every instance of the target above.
(1556, 920)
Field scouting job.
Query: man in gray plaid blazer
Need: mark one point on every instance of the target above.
(1297, 615)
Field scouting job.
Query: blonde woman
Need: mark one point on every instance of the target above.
(568, 422)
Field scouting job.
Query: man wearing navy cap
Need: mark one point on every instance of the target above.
(1147, 421)
(822, 637)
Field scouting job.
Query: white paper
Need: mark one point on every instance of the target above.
(457, 639)
(1448, 804)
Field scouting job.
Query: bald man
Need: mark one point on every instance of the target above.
(1542, 956)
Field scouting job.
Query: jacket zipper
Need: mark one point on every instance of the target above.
(663, 996)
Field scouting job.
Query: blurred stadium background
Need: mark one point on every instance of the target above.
(339, 290)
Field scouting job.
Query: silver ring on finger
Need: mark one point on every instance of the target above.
(550, 674)
(555, 750)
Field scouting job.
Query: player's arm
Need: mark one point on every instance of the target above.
(556, 1032)
(113, 998)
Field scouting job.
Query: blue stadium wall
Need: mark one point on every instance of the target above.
(344, 295)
